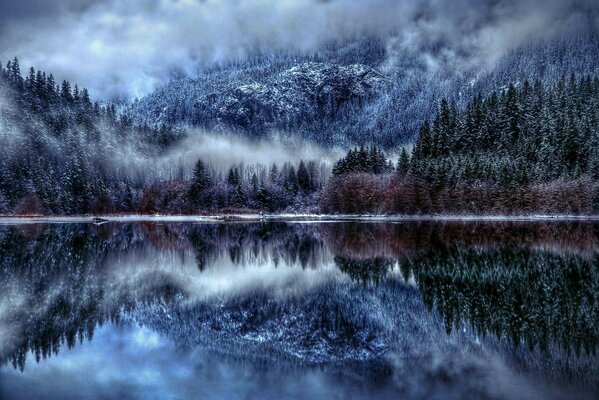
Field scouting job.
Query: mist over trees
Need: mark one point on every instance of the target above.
(61, 152)
(525, 149)
(390, 119)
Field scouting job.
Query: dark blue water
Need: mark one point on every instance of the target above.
(299, 311)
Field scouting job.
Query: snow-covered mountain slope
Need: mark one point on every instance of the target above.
(352, 94)
(306, 91)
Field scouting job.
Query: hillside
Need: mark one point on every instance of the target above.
(276, 93)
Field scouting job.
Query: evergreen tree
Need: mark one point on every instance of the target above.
(263, 197)
(233, 177)
(303, 178)
(65, 92)
(200, 182)
(291, 183)
(274, 173)
(403, 164)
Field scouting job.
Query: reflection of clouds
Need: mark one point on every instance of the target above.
(120, 364)
(12, 304)
(136, 273)
(146, 338)
(134, 362)
(120, 360)
(224, 278)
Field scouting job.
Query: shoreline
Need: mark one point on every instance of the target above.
(291, 218)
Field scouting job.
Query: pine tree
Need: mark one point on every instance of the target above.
(15, 75)
(233, 178)
(274, 174)
(442, 129)
(403, 164)
(424, 145)
(263, 197)
(200, 182)
(303, 178)
(291, 182)
(65, 92)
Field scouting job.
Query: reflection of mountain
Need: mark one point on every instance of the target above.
(62, 281)
(315, 293)
(329, 322)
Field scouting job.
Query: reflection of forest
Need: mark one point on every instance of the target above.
(527, 296)
(533, 283)
(403, 240)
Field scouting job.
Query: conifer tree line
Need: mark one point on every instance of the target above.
(362, 159)
(244, 188)
(526, 149)
(529, 134)
(57, 145)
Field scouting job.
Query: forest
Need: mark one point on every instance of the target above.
(527, 148)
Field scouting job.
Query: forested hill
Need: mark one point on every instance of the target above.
(314, 97)
(547, 60)
(64, 153)
(522, 147)
(532, 149)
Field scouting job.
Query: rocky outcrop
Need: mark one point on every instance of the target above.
(305, 92)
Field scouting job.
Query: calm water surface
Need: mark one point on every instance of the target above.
(430, 310)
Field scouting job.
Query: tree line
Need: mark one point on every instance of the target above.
(243, 188)
(525, 149)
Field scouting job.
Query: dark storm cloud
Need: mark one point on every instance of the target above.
(127, 48)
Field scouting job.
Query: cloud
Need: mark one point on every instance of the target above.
(218, 150)
(118, 48)
(224, 151)
(467, 35)
(127, 48)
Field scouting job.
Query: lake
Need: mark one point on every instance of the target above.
(280, 310)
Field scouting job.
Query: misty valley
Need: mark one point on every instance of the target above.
(491, 310)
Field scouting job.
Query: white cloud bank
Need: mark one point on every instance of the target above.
(127, 48)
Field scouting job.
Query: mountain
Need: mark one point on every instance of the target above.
(288, 93)
(61, 152)
(545, 60)
(305, 92)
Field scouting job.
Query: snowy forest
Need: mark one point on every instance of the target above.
(520, 138)
(299, 199)
(531, 148)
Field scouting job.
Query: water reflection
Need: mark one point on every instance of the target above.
(450, 305)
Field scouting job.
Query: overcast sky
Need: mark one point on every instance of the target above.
(127, 48)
